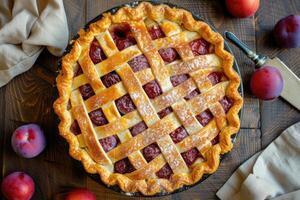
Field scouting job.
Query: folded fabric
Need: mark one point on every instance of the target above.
(25, 28)
(270, 174)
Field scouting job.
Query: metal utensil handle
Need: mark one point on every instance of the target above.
(259, 60)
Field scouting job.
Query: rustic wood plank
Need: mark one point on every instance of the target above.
(278, 114)
(76, 15)
(94, 7)
(48, 62)
(29, 100)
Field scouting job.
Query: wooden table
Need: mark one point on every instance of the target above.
(29, 98)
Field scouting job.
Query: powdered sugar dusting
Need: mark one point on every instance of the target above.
(145, 108)
(170, 97)
(134, 96)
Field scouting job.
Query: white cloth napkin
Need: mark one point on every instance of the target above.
(273, 173)
(26, 26)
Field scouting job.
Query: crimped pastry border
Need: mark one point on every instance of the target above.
(211, 155)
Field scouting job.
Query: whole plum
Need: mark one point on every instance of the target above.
(242, 8)
(28, 140)
(18, 186)
(287, 32)
(266, 83)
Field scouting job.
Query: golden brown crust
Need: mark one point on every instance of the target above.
(211, 154)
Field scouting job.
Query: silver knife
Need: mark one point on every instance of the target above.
(291, 81)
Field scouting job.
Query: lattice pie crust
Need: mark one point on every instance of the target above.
(148, 99)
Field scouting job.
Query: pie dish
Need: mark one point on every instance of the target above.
(148, 99)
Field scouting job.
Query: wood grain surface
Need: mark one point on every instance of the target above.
(29, 98)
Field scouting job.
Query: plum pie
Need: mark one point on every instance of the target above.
(148, 99)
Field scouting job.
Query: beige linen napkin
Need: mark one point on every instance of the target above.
(26, 26)
(273, 173)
